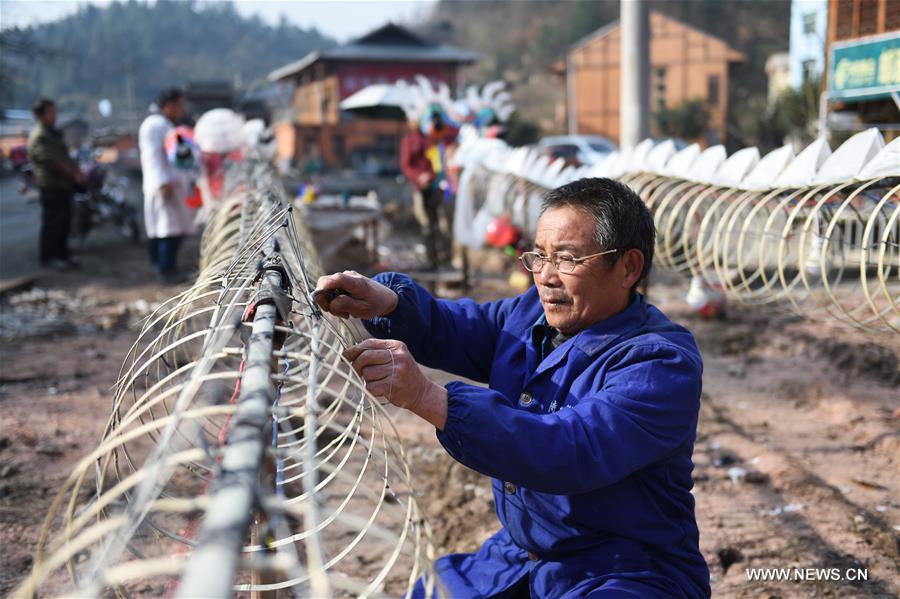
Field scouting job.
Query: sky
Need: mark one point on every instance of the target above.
(341, 19)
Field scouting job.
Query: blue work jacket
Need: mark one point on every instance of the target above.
(589, 448)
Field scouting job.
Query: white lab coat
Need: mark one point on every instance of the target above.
(162, 218)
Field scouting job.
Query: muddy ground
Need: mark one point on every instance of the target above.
(797, 454)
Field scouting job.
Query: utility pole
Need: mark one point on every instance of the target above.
(572, 118)
(132, 119)
(634, 100)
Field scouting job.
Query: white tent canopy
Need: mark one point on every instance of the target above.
(659, 156)
(704, 168)
(767, 170)
(802, 169)
(638, 158)
(371, 96)
(885, 164)
(736, 167)
(849, 159)
(680, 163)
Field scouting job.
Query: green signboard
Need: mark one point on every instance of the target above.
(865, 69)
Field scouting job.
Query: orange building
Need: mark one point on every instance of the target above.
(685, 64)
(318, 129)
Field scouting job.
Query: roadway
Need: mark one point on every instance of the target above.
(20, 221)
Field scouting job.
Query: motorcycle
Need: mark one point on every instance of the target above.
(103, 201)
(27, 187)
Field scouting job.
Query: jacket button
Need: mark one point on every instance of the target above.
(510, 488)
(526, 399)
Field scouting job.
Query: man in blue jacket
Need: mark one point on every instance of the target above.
(588, 422)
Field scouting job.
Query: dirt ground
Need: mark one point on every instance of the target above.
(797, 454)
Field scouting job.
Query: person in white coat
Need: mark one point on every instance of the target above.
(167, 217)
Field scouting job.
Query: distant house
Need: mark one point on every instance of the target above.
(316, 128)
(685, 64)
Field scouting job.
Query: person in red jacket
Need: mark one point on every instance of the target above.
(421, 152)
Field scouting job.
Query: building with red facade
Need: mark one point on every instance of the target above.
(318, 130)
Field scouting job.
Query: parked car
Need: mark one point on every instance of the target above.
(578, 149)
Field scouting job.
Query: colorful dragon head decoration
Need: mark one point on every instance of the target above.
(430, 105)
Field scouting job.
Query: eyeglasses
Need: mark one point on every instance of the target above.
(563, 261)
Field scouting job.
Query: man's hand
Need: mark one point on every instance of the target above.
(423, 180)
(391, 372)
(364, 297)
(167, 190)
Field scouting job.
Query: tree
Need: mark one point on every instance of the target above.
(687, 121)
(521, 132)
(18, 52)
(134, 49)
(797, 110)
(793, 117)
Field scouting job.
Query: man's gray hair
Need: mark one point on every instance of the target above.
(621, 219)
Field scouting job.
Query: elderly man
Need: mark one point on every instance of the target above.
(588, 422)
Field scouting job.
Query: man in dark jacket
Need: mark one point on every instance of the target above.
(588, 422)
(56, 176)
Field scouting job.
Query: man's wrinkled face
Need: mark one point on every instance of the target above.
(593, 291)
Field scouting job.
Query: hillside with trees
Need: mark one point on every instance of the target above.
(128, 51)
